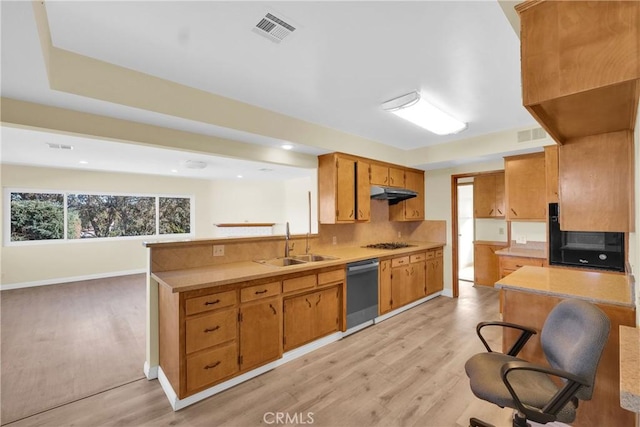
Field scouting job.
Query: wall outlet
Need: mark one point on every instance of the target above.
(501, 230)
(522, 239)
(334, 240)
(399, 234)
(218, 250)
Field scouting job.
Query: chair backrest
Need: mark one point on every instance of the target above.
(573, 338)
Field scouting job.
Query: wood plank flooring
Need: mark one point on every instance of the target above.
(405, 371)
(64, 342)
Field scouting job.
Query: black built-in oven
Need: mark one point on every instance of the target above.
(600, 250)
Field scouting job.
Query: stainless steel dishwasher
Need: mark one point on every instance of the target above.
(362, 292)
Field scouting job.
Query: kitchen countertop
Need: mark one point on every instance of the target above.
(630, 368)
(530, 250)
(225, 274)
(594, 286)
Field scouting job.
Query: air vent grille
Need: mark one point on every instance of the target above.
(59, 146)
(531, 134)
(273, 28)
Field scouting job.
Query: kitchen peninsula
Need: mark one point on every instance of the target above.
(222, 323)
(530, 293)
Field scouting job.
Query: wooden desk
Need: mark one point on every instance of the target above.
(529, 295)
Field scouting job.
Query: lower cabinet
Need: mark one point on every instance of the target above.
(509, 264)
(260, 332)
(311, 316)
(486, 268)
(435, 271)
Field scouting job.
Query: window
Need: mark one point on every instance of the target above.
(41, 216)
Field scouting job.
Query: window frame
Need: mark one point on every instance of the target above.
(7, 216)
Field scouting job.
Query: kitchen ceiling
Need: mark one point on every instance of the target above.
(335, 69)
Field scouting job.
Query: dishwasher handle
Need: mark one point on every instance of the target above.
(363, 267)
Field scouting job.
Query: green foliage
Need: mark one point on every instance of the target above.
(36, 219)
(175, 215)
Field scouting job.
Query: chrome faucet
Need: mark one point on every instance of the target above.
(287, 236)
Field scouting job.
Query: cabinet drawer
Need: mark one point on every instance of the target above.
(418, 257)
(439, 252)
(210, 302)
(304, 282)
(431, 255)
(514, 263)
(331, 276)
(211, 366)
(397, 262)
(210, 330)
(259, 291)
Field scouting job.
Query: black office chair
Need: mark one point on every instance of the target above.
(573, 338)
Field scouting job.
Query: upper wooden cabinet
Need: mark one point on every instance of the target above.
(488, 196)
(596, 183)
(343, 189)
(551, 173)
(525, 185)
(387, 176)
(580, 65)
(410, 209)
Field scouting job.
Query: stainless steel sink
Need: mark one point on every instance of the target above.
(314, 257)
(281, 262)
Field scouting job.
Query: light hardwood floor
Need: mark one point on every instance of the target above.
(64, 342)
(407, 370)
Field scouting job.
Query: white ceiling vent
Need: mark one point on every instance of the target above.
(194, 164)
(59, 146)
(273, 28)
(531, 134)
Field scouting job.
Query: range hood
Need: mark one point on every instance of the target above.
(393, 195)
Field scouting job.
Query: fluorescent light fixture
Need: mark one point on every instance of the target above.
(414, 108)
(286, 146)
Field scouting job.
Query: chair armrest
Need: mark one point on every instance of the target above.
(517, 346)
(548, 412)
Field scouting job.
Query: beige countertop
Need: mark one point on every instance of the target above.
(522, 252)
(630, 368)
(225, 274)
(594, 286)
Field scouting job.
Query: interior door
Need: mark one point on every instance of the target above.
(465, 231)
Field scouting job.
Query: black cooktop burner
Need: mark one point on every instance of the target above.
(389, 245)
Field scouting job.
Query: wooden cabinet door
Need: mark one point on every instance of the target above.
(484, 196)
(551, 173)
(525, 186)
(384, 294)
(400, 283)
(396, 177)
(486, 264)
(260, 333)
(346, 190)
(379, 175)
(298, 321)
(414, 208)
(499, 200)
(327, 312)
(435, 275)
(363, 193)
(418, 280)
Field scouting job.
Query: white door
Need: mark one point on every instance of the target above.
(465, 232)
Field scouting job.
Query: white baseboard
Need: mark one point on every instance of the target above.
(447, 293)
(151, 372)
(61, 280)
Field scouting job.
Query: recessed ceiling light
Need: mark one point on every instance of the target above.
(195, 164)
(287, 146)
(174, 170)
(239, 176)
(83, 162)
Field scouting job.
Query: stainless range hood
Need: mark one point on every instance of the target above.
(393, 195)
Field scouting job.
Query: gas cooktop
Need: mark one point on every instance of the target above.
(389, 245)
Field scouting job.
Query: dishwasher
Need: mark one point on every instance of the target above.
(362, 293)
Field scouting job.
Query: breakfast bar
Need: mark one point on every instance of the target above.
(530, 293)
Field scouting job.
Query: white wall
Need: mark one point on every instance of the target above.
(438, 203)
(531, 231)
(493, 230)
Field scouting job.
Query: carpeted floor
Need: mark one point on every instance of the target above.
(63, 342)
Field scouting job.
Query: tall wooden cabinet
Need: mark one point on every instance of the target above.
(343, 189)
(488, 196)
(525, 185)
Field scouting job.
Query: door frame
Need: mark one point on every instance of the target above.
(454, 224)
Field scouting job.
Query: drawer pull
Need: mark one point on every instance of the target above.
(212, 302)
(308, 302)
(215, 328)
(213, 365)
(261, 292)
(499, 211)
(514, 212)
(273, 309)
(518, 265)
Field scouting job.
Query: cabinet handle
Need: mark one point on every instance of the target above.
(518, 265)
(514, 212)
(360, 213)
(213, 365)
(308, 302)
(319, 298)
(499, 211)
(212, 302)
(206, 331)
(261, 292)
(274, 310)
(351, 214)
(491, 211)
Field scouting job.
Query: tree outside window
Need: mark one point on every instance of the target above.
(37, 216)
